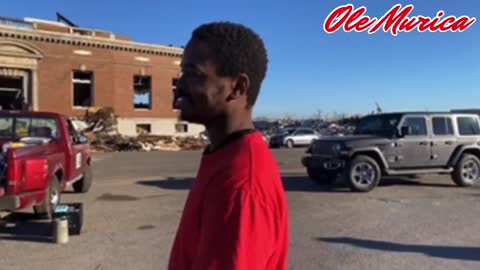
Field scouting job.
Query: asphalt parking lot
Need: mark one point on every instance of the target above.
(132, 212)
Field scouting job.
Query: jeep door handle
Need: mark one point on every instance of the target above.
(449, 142)
(423, 143)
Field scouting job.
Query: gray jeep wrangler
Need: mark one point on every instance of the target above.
(399, 144)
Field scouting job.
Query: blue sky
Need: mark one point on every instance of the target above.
(309, 69)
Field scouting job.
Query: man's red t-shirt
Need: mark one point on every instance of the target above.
(236, 215)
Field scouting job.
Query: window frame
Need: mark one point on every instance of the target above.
(92, 89)
(183, 124)
(451, 126)
(426, 121)
(141, 125)
(458, 125)
(150, 103)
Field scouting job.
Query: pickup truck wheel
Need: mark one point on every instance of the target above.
(52, 199)
(467, 171)
(321, 176)
(83, 185)
(363, 174)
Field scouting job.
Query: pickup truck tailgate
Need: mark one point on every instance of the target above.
(27, 175)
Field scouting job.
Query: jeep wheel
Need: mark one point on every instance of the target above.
(52, 199)
(467, 171)
(322, 177)
(363, 174)
(83, 185)
(289, 144)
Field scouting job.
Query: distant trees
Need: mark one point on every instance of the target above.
(318, 116)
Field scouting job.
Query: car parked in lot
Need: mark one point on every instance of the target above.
(292, 137)
(41, 154)
(391, 144)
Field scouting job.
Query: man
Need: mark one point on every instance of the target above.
(236, 214)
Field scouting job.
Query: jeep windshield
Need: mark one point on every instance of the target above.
(380, 125)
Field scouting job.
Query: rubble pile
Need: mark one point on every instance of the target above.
(335, 129)
(100, 126)
(118, 143)
(101, 120)
(170, 143)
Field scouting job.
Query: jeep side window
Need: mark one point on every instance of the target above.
(468, 126)
(442, 126)
(418, 126)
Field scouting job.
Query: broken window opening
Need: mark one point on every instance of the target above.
(143, 129)
(142, 92)
(181, 127)
(82, 89)
(11, 93)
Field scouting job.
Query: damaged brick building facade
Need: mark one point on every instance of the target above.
(59, 67)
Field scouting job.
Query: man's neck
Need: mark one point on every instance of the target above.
(220, 130)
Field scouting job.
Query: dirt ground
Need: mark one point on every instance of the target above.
(133, 209)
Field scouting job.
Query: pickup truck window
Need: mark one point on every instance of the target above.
(6, 127)
(74, 135)
(36, 127)
(44, 127)
(20, 127)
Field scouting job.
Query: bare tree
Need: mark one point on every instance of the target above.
(336, 116)
(289, 117)
(379, 109)
(318, 115)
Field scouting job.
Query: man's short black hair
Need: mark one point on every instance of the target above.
(237, 49)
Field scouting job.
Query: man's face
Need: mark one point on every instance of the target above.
(201, 95)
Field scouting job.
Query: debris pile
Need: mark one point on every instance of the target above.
(170, 143)
(335, 129)
(100, 127)
(146, 143)
(101, 120)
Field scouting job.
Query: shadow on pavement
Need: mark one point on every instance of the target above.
(170, 183)
(444, 252)
(406, 181)
(292, 182)
(25, 227)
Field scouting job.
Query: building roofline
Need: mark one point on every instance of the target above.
(88, 41)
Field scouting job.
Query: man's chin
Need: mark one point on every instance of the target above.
(184, 116)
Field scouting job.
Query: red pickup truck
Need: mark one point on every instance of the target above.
(41, 155)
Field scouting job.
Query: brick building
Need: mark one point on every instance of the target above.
(59, 67)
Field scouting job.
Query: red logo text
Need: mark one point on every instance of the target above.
(396, 20)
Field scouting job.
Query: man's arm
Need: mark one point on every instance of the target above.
(236, 232)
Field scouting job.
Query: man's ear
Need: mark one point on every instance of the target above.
(240, 86)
